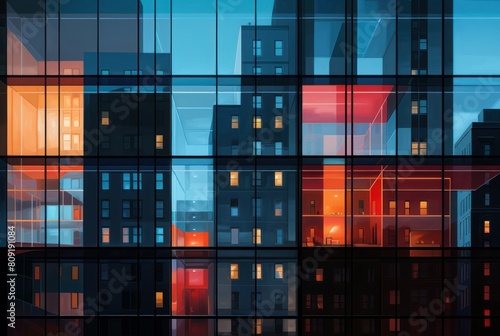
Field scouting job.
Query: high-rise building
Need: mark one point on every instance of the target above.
(249, 167)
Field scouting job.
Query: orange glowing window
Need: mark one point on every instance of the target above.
(278, 179)
(233, 179)
(159, 141)
(407, 207)
(278, 271)
(234, 271)
(257, 122)
(234, 122)
(74, 300)
(159, 299)
(257, 326)
(105, 235)
(257, 236)
(37, 302)
(105, 118)
(486, 226)
(278, 122)
(392, 207)
(423, 208)
(36, 272)
(74, 272)
(319, 275)
(257, 271)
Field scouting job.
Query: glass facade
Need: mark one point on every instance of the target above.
(251, 167)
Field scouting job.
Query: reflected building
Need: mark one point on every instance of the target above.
(245, 168)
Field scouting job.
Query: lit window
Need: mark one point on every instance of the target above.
(160, 235)
(257, 102)
(486, 270)
(235, 122)
(278, 70)
(105, 209)
(278, 122)
(487, 322)
(159, 299)
(234, 207)
(257, 236)
(36, 272)
(319, 275)
(74, 300)
(105, 118)
(414, 107)
(66, 141)
(278, 179)
(394, 324)
(407, 207)
(105, 234)
(487, 199)
(37, 302)
(423, 207)
(257, 326)
(233, 179)
(159, 209)
(278, 102)
(159, 141)
(278, 148)
(137, 181)
(235, 236)
(257, 148)
(393, 296)
(257, 47)
(414, 71)
(423, 148)
(278, 208)
(257, 122)
(104, 72)
(278, 271)
(126, 235)
(423, 106)
(414, 148)
(257, 70)
(159, 181)
(234, 271)
(136, 234)
(486, 226)
(257, 271)
(74, 272)
(486, 293)
(105, 181)
(278, 48)
(392, 207)
(126, 181)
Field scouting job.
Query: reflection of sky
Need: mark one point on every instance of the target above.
(194, 32)
(476, 50)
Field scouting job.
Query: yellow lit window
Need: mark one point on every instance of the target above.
(159, 299)
(234, 271)
(486, 226)
(278, 271)
(414, 148)
(278, 122)
(66, 142)
(423, 207)
(278, 179)
(423, 148)
(257, 271)
(257, 236)
(74, 272)
(159, 141)
(414, 107)
(392, 207)
(233, 181)
(235, 122)
(74, 300)
(257, 122)
(67, 120)
(105, 118)
(257, 326)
